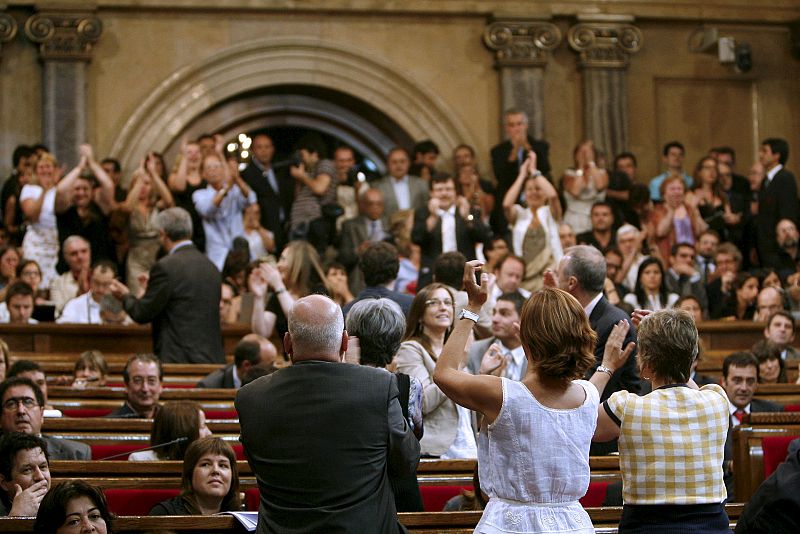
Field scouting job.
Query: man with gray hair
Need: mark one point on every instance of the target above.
(77, 253)
(182, 297)
(582, 273)
(321, 436)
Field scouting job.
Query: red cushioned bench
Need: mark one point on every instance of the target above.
(775, 449)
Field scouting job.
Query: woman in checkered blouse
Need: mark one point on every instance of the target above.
(671, 441)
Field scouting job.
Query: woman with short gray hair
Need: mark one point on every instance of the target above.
(379, 325)
(671, 441)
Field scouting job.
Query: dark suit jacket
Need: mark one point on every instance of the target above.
(377, 292)
(65, 449)
(182, 303)
(272, 201)
(353, 233)
(467, 235)
(505, 172)
(322, 461)
(776, 201)
(603, 318)
(219, 379)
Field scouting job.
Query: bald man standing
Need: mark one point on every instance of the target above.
(322, 435)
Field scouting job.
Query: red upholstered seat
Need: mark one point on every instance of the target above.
(252, 499)
(238, 448)
(435, 497)
(136, 501)
(86, 412)
(595, 495)
(791, 408)
(100, 452)
(775, 449)
(221, 414)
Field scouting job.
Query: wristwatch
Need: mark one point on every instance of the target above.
(604, 369)
(466, 314)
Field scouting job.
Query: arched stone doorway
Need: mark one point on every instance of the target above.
(332, 88)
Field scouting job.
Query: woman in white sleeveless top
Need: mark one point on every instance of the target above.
(533, 447)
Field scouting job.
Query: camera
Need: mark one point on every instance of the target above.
(744, 57)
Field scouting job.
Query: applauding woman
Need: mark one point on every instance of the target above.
(533, 448)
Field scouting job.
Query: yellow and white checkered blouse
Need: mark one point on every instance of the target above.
(671, 444)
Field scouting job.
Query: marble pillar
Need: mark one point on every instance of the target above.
(65, 41)
(521, 49)
(604, 46)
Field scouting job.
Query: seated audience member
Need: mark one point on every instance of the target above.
(775, 506)
(24, 474)
(448, 430)
(629, 241)
(336, 275)
(719, 285)
(9, 261)
(780, 330)
(379, 325)
(19, 303)
(566, 236)
(74, 507)
(247, 354)
(142, 376)
(739, 302)
(768, 301)
(90, 370)
(78, 255)
(494, 251)
(93, 306)
(682, 278)
(467, 501)
(379, 264)
(549, 411)
(601, 235)
(612, 290)
(254, 373)
(691, 305)
(33, 372)
(771, 368)
(667, 345)
(787, 259)
(30, 272)
(23, 411)
(297, 274)
(650, 291)
(175, 419)
(502, 353)
(359, 232)
(210, 481)
(706, 252)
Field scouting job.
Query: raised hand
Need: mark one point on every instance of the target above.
(272, 275)
(638, 315)
(614, 356)
(477, 294)
(493, 361)
(257, 283)
(550, 279)
(26, 503)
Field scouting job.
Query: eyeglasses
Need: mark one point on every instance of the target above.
(13, 402)
(435, 303)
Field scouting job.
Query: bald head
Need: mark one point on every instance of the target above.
(268, 351)
(316, 330)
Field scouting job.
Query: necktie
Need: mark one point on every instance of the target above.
(374, 231)
(739, 415)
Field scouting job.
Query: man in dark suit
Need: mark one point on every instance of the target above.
(182, 297)
(359, 232)
(322, 460)
(777, 198)
(274, 189)
(446, 224)
(501, 354)
(23, 411)
(253, 350)
(400, 191)
(508, 156)
(379, 264)
(740, 380)
(142, 376)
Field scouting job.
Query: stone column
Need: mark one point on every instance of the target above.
(8, 27)
(65, 46)
(604, 46)
(521, 50)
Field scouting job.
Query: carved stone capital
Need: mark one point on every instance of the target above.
(521, 42)
(8, 28)
(604, 44)
(64, 35)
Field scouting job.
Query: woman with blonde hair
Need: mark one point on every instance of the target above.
(533, 447)
(297, 274)
(37, 200)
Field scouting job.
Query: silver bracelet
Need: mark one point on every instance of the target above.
(604, 369)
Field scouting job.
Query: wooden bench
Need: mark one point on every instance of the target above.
(748, 452)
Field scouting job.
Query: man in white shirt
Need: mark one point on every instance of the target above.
(78, 255)
(88, 308)
(502, 354)
(19, 301)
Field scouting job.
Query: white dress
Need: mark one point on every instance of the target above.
(523, 220)
(533, 463)
(41, 237)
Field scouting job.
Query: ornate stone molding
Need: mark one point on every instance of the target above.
(8, 28)
(521, 42)
(64, 35)
(604, 44)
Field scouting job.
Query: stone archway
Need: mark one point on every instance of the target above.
(176, 106)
